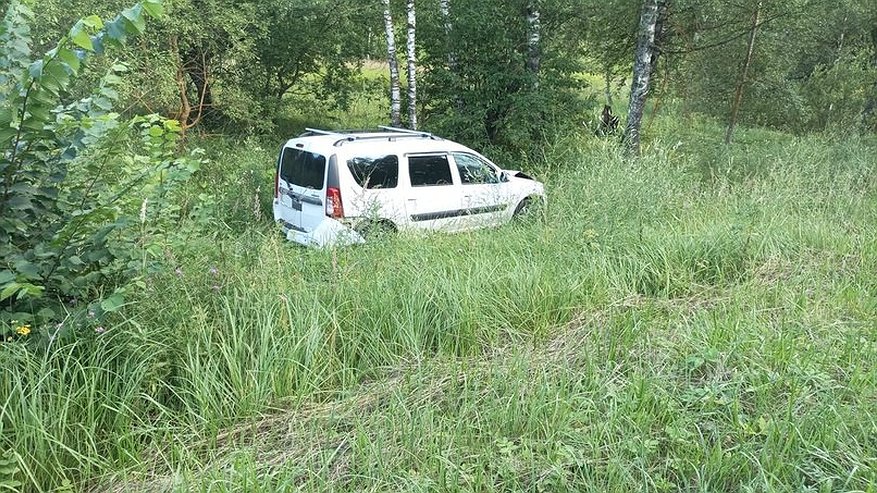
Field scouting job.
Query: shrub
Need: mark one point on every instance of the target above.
(75, 176)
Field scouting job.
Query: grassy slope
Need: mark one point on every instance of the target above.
(697, 320)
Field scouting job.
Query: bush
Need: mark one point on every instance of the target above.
(85, 193)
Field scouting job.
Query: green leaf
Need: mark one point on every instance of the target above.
(93, 21)
(46, 314)
(70, 58)
(6, 276)
(81, 38)
(9, 290)
(113, 303)
(134, 16)
(153, 7)
(6, 134)
(36, 69)
(12, 484)
(27, 269)
(116, 30)
(19, 203)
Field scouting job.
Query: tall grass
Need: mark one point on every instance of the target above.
(700, 319)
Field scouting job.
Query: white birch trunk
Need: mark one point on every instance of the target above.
(534, 38)
(395, 89)
(641, 67)
(445, 8)
(412, 66)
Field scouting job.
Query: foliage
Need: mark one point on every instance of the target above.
(8, 470)
(820, 83)
(75, 174)
(699, 318)
(665, 319)
(235, 62)
(489, 97)
(328, 39)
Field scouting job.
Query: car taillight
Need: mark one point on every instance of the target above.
(334, 208)
(276, 183)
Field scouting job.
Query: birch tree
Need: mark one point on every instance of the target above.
(534, 36)
(412, 65)
(641, 71)
(662, 31)
(395, 88)
(445, 9)
(744, 73)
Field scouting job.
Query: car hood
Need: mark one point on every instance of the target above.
(518, 174)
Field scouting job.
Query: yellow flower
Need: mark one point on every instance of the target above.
(23, 330)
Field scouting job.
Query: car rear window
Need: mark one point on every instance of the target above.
(375, 172)
(302, 168)
(427, 171)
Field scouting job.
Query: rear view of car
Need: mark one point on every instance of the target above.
(307, 198)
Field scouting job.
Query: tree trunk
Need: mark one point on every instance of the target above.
(412, 66)
(869, 115)
(197, 67)
(608, 89)
(641, 68)
(738, 94)
(453, 63)
(534, 37)
(185, 109)
(662, 31)
(395, 90)
(445, 7)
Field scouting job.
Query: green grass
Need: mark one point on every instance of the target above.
(701, 319)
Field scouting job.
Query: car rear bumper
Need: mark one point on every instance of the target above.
(330, 233)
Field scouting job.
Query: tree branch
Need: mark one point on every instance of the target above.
(722, 42)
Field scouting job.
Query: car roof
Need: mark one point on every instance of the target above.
(399, 142)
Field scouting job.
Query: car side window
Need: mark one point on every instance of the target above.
(429, 171)
(473, 170)
(375, 172)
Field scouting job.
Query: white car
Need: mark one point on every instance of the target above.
(335, 188)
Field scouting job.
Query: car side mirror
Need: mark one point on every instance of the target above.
(503, 177)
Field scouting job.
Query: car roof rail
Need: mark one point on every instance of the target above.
(407, 131)
(351, 137)
(317, 131)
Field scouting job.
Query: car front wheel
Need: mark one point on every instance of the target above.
(529, 209)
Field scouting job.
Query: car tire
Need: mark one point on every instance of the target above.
(371, 230)
(529, 209)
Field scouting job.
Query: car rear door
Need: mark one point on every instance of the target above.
(433, 197)
(302, 188)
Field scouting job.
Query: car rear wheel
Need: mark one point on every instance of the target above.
(372, 230)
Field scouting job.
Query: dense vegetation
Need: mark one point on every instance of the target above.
(700, 317)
